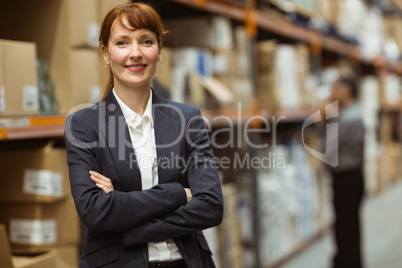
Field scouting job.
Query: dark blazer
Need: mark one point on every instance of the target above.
(122, 222)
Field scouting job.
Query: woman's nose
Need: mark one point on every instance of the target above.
(135, 51)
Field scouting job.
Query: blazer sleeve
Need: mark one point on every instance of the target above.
(115, 211)
(206, 207)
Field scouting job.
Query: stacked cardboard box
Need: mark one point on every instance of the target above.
(230, 231)
(329, 10)
(370, 106)
(58, 257)
(36, 203)
(283, 72)
(9, 261)
(18, 82)
(389, 155)
(67, 40)
(210, 65)
(393, 29)
(267, 90)
(293, 201)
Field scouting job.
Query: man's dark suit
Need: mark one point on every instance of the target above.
(122, 222)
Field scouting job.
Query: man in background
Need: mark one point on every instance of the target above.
(348, 182)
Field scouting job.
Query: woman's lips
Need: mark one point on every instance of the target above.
(136, 68)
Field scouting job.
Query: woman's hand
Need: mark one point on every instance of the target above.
(101, 181)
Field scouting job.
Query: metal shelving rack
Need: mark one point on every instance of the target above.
(29, 127)
(25, 127)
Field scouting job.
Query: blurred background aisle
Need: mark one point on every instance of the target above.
(382, 236)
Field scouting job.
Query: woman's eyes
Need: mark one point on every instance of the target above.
(148, 42)
(121, 43)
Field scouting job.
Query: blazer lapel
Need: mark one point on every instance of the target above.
(119, 142)
(168, 134)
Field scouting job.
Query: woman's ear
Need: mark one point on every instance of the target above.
(105, 54)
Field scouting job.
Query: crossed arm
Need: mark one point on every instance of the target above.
(106, 184)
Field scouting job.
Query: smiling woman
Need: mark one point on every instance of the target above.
(141, 212)
(132, 56)
(140, 16)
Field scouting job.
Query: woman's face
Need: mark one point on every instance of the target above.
(132, 56)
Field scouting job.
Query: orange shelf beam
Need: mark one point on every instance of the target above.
(216, 7)
(28, 127)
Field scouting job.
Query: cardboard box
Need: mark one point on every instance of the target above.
(230, 200)
(329, 10)
(77, 77)
(66, 256)
(164, 68)
(78, 23)
(36, 228)
(188, 61)
(51, 23)
(8, 261)
(18, 80)
(104, 6)
(38, 175)
(214, 33)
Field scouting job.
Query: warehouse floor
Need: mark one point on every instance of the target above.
(382, 227)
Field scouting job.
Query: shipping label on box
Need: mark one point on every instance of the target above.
(33, 232)
(41, 176)
(43, 182)
(36, 228)
(30, 98)
(2, 98)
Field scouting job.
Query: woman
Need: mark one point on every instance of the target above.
(141, 167)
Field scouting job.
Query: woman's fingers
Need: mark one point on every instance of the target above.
(99, 176)
(101, 181)
(188, 194)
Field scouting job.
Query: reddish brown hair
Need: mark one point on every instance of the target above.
(139, 16)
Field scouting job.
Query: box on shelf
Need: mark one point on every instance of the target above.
(389, 161)
(77, 77)
(190, 65)
(78, 23)
(36, 228)
(267, 90)
(393, 29)
(230, 199)
(18, 80)
(390, 90)
(386, 128)
(329, 10)
(164, 68)
(234, 258)
(46, 260)
(66, 256)
(52, 23)
(230, 234)
(104, 6)
(229, 62)
(37, 175)
(213, 33)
